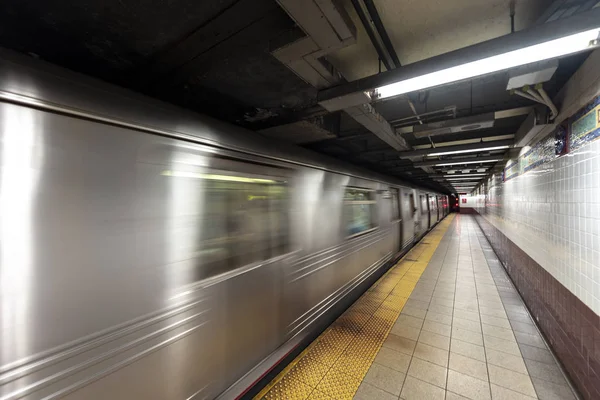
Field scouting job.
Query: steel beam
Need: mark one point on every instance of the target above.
(514, 41)
(461, 147)
(466, 159)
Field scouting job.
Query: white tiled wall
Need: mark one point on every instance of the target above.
(553, 214)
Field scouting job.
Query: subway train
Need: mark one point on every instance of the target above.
(148, 252)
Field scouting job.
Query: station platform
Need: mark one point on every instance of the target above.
(444, 323)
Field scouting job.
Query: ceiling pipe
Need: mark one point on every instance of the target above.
(364, 19)
(382, 32)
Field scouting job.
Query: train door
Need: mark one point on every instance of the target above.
(428, 216)
(408, 207)
(396, 218)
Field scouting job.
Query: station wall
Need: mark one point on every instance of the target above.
(542, 216)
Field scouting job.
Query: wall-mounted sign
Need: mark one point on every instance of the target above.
(512, 170)
(464, 200)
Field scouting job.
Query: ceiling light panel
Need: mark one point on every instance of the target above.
(465, 162)
(444, 153)
(526, 55)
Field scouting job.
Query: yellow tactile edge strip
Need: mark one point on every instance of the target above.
(334, 365)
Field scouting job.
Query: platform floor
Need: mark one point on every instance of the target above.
(443, 323)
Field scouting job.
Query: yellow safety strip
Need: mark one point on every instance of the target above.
(334, 365)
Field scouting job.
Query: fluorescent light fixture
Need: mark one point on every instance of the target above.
(228, 178)
(530, 54)
(444, 153)
(462, 175)
(465, 162)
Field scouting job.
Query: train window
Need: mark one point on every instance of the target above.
(244, 220)
(395, 205)
(359, 211)
(413, 206)
(423, 204)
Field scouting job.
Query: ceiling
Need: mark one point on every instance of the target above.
(422, 29)
(217, 57)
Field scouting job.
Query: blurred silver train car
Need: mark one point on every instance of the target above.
(151, 253)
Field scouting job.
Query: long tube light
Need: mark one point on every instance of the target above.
(465, 162)
(462, 175)
(526, 55)
(443, 153)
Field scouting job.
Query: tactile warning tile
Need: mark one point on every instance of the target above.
(337, 337)
(367, 306)
(339, 385)
(316, 395)
(289, 389)
(308, 371)
(339, 359)
(354, 364)
(324, 353)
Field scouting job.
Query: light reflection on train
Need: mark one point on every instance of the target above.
(159, 268)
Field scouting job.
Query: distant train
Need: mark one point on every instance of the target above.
(147, 252)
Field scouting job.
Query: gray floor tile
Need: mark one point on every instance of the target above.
(548, 372)
(536, 354)
(415, 312)
(437, 317)
(505, 360)
(385, 378)
(528, 328)
(519, 317)
(467, 306)
(432, 354)
(551, 391)
(492, 312)
(406, 331)
(417, 304)
(415, 389)
(433, 339)
(423, 297)
(502, 393)
(501, 333)
(436, 327)
(469, 366)
(393, 359)
(467, 336)
(403, 345)
(468, 386)
(474, 326)
(507, 346)
(442, 300)
(367, 391)
(428, 372)
(495, 321)
(531, 340)
(408, 320)
(468, 349)
(441, 309)
(468, 315)
(511, 380)
(454, 396)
